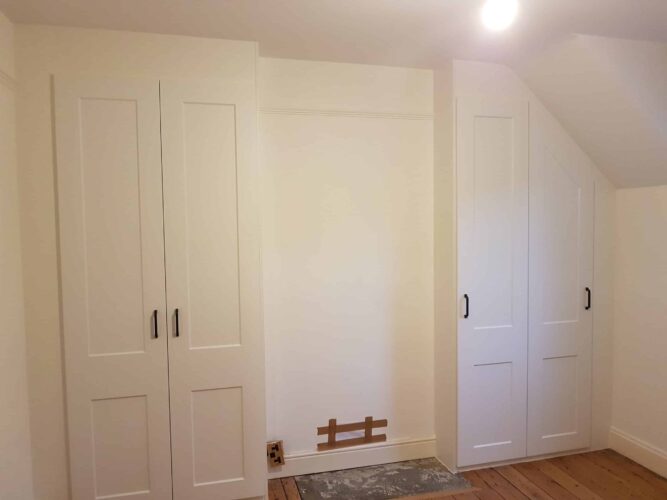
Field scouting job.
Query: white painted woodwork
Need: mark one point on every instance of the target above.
(561, 268)
(213, 275)
(347, 253)
(561, 400)
(112, 272)
(16, 472)
(492, 179)
(42, 51)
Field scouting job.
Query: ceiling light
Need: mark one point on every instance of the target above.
(497, 15)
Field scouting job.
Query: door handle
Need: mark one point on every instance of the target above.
(155, 322)
(588, 299)
(177, 331)
(466, 315)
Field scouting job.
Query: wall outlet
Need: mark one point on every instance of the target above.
(274, 453)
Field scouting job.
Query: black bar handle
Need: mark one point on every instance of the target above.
(178, 328)
(155, 322)
(589, 299)
(467, 299)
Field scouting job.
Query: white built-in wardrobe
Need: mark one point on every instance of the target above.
(160, 272)
(522, 251)
(159, 250)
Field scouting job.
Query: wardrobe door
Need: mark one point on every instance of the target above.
(216, 358)
(109, 178)
(492, 179)
(561, 276)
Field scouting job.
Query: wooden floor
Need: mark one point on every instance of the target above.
(589, 476)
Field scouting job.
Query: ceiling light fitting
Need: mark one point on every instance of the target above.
(498, 15)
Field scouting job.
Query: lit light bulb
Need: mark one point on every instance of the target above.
(498, 15)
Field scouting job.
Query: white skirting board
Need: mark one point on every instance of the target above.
(640, 451)
(360, 456)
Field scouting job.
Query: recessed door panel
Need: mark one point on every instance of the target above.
(493, 220)
(561, 275)
(492, 178)
(559, 408)
(561, 212)
(112, 225)
(495, 389)
(120, 443)
(113, 292)
(217, 421)
(216, 358)
(209, 145)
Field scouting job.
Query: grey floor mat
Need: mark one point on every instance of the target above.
(381, 482)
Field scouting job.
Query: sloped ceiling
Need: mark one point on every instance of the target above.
(419, 33)
(611, 95)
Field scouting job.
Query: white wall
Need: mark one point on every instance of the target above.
(479, 80)
(348, 250)
(640, 327)
(15, 462)
(603, 308)
(42, 51)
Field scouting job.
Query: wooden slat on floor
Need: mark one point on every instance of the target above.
(600, 481)
(546, 483)
(660, 483)
(566, 481)
(485, 492)
(500, 485)
(291, 491)
(600, 475)
(276, 490)
(522, 483)
(466, 496)
(637, 483)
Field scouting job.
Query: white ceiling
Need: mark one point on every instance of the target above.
(610, 94)
(421, 33)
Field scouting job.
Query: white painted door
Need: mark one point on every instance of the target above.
(216, 358)
(113, 293)
(561, 281)
(492, 179)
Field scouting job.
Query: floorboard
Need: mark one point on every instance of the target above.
(660, 483)
(543, 481)
(291, 490)
(500, 485)
(276, 490)
(629, 478)
(599, 475)
(522, 483)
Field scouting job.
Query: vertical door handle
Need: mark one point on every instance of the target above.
(466, 315)
(155, 323)
(178, 326)
(588, 299)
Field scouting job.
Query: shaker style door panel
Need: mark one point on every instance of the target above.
(213, 289)
(561, 282)
(113, 292)
(492, 178)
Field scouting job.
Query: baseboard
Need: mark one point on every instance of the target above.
(348, 458)
(522, 460)
(640, 451)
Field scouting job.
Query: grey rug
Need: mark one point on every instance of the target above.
(381, 482)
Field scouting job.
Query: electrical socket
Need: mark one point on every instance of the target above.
(274, 453)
